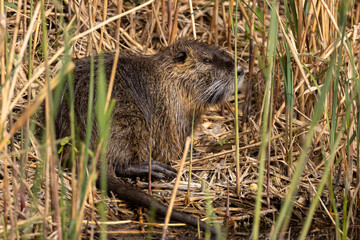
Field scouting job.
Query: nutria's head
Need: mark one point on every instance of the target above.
(204, 73)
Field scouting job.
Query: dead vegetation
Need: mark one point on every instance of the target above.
(308, 35)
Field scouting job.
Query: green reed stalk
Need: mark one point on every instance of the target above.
(103, 119)
(234, 24)
(191, 154)
(265, 136)
(334, 114)
(289, 88)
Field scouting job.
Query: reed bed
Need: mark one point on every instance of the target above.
(290, 170)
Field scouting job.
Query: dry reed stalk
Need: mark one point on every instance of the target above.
(214, 24)
(176, 185)
(174, 26)
(104, 19)
(192, 19)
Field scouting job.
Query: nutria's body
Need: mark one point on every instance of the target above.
(155, 97)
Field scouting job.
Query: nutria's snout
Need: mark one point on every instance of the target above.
(240, 71)
(240, 78)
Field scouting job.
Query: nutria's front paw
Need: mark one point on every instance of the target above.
(159, 170)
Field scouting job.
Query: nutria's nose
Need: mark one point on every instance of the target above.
(240, 71)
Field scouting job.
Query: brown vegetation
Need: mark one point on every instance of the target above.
(27, 166)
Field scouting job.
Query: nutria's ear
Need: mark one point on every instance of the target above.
(180, 58)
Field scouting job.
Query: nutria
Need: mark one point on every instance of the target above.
(155, 97)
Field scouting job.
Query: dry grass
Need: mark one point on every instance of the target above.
(26, 70)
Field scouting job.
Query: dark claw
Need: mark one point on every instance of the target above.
(155, 175)
(194, 153)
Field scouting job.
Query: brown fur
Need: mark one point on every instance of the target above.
(155, 96)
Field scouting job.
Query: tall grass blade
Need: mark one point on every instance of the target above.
(265, 134)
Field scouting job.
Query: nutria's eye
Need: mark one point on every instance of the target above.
(207, 60)
(180, 58)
